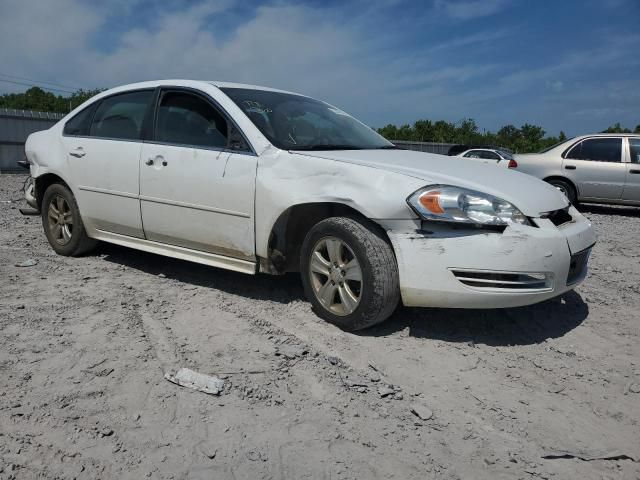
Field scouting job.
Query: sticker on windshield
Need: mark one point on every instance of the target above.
(253, 106)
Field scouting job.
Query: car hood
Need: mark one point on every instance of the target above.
(529, 194)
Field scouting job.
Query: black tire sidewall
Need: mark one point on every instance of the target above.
(368, 301)
(568, 187)
(78, 232)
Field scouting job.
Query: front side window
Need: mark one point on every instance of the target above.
(295, 122)
(472, 154)
(597, 150)
(634, 149)
(187, 119)
(121, 116)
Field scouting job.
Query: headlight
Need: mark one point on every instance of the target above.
(460, 205)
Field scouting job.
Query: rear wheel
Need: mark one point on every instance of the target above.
(565, 188)
(349, 273)
(62, 222)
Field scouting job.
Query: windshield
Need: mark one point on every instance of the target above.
(294, 122)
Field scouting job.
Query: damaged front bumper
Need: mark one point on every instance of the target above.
(468, 268)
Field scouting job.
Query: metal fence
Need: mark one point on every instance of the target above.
(430, 147)
(15, 127)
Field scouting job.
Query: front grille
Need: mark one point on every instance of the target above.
(503, 280)
(559, 217)
(578, 266)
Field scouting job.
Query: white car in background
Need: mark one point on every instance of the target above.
(254, 179)
(490, 156)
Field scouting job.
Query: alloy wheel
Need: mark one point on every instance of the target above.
(336, 276)
(60, 220)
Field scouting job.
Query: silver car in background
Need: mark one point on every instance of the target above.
(599, 168)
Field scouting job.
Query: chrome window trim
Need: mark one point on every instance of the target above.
(200, 147)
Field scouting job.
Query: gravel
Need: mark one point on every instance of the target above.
(85, 343)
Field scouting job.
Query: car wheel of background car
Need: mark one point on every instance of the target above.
(349, 273)
(566, 188)
(62, 222)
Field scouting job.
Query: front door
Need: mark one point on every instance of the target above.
(104, 158)
(595, 166)
(194, 191)
(632, 185)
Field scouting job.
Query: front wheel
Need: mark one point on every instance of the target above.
(565, 188)
(349, 273)
(62, 222)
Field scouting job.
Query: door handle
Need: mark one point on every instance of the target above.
(634, 170)
(151, 161)
(570, 167)
(77, 152)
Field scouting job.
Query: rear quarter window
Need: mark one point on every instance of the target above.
(79, 123)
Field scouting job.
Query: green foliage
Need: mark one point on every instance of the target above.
(37, 99)
(617, 128)
(527, 138)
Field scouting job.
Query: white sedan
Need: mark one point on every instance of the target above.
(256, 180)
(491, 156)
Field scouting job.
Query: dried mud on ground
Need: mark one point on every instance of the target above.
(550, 391)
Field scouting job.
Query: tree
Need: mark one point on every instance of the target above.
(39, 100)
(616, 128)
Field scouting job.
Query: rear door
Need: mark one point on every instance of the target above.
(632, 185)
(104, 148)
(595, 165)
(196, 192)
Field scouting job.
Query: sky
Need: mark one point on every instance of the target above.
(570, 65)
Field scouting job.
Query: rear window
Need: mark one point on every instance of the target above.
(79, 123)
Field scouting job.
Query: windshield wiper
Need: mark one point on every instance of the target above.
(388, 147)
(326, 147)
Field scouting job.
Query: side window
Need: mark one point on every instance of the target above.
(188, 119)
(472, 154)
(597, 150)
(79, 123)
(121, 116)
(634, 149)
(489, 155)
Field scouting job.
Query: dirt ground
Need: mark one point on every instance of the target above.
(550, 391)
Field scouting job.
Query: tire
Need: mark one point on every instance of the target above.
(60, 209)
(378, 291)
(566, 188)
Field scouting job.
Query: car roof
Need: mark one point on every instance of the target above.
(249, 87)
(579, 137)
(187, 82)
